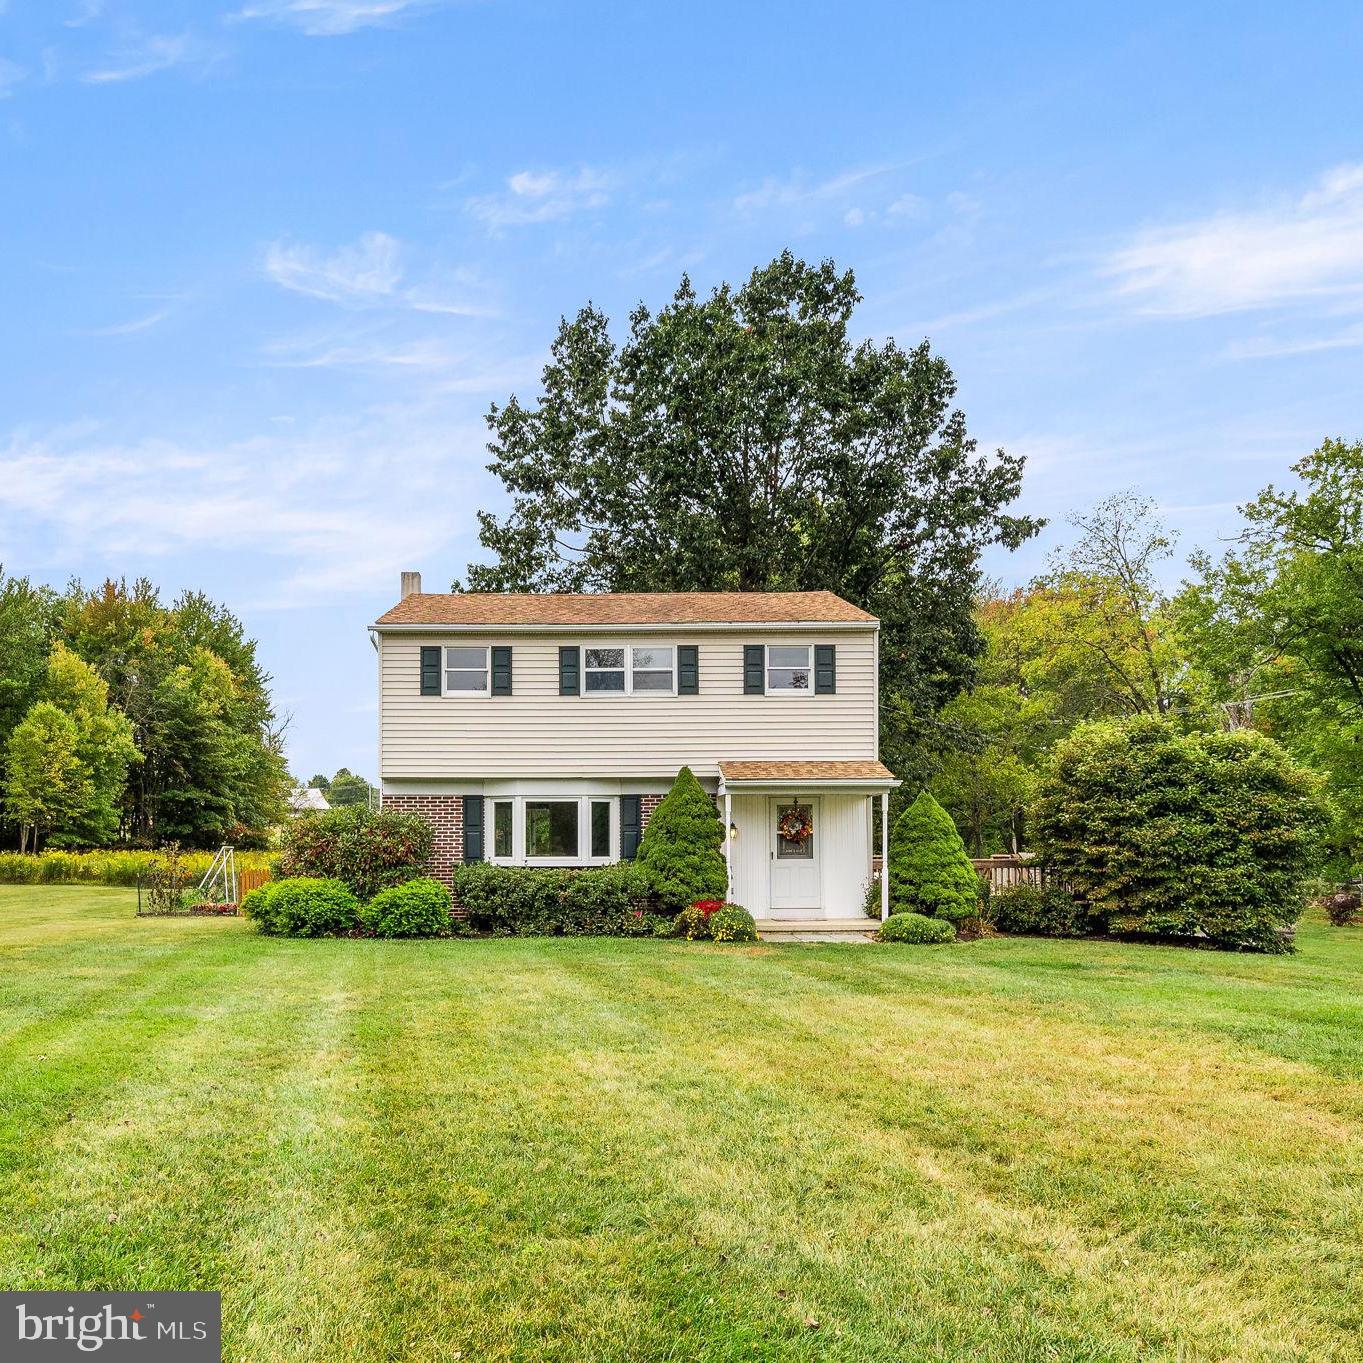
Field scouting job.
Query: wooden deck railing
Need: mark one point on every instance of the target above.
(1009, 869)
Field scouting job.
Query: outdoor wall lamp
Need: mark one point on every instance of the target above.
(733, 832)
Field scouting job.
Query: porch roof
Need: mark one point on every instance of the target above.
(808, 775)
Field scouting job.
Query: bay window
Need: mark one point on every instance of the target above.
(553, 830)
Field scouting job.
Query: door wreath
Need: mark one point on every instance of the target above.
(796, 824)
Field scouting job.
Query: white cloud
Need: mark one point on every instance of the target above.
(542, 196)
(134, 325)
(1269, 347)
(337, 509)
(363, 273)
(1294, 251)
(797, 190)
(159, 52)
(11, 73)
(329, 18)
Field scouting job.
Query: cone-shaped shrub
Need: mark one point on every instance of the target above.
(680, 850)
(929, 870)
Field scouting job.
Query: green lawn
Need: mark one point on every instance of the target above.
(606, 1150)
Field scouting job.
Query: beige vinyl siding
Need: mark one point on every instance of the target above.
(537, 732)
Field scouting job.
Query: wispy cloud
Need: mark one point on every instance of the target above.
(359, 274)
(330, 18)
(11, 73)
(289, 499)
(133, 326)
(1273, 347)
(533, 196)
(800, 190)
(1290, 252)
(147, 56)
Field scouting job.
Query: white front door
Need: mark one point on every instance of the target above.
(796, 880)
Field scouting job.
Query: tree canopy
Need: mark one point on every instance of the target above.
(745, 441)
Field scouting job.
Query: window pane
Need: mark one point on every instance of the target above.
(466, 657)
(605, 681)
(652, 681)
(653, 657)
(601, 828)
(788, 655)
(465, 681)
(787, 679)
(551, 828)
(501, 828)
(605, 657)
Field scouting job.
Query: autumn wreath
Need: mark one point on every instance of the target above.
(796, 824)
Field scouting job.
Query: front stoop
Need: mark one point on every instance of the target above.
(854, 930)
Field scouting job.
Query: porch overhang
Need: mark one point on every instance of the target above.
(850, 778)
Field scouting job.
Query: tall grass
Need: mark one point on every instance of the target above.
(105, 868)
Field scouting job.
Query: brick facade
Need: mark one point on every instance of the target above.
(445, 814)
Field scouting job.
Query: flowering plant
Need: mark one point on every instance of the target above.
(708, 906)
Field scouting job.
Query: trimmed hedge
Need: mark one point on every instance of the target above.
(110, 867)
(303, 906)
(1206, 836)
(930, 872)
(524, 901)
(1042, 911)
(420, 908)
(917, 929)
(370, 852)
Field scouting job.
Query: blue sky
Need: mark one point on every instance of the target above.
(267, 263)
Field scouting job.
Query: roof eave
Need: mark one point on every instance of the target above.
(713, 626)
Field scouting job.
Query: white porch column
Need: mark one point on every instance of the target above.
(728, 845)
(884, 855)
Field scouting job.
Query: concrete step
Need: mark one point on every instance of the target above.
(817, 929)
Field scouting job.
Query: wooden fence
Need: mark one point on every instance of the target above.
(251, 880)
(1008, 869)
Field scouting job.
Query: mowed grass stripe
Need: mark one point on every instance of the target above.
(637, 1150)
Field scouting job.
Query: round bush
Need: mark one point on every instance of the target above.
(732, 923)
(1192, 835)
(916, 928)
(930, 872)
(420, 908)
(256, 905)
(308, 907)
(693, 923)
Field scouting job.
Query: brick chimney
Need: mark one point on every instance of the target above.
(411, 584)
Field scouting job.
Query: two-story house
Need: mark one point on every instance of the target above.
(542, 730)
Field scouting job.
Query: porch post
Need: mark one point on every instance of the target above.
(728, 845)
(884, 855)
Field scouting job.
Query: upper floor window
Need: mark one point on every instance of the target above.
(466, 670)
(624, 670)
(788, 667)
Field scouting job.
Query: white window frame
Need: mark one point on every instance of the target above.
(446, 669)
(769, 690)
(584, 803)
(629, 648)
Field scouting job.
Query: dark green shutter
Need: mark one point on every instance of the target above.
(688, 670)
(569, 670)
(430, 670)
(473, 828)
(631, 825)
(825, 669)
(501, 671)
(754, 665)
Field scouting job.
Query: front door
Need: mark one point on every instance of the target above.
(795, 874)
